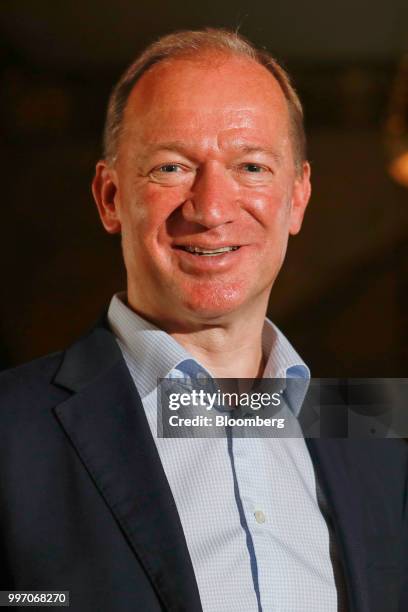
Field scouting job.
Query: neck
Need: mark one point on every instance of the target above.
(233, 351)
(228, 347)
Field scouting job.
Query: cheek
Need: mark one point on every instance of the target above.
(149, 210)
(153, 206)
(270, 206)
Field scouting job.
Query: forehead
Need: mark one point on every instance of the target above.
(211, 96)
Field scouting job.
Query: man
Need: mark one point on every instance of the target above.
(205, 177)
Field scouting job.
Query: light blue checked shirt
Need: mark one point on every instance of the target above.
(251, 510)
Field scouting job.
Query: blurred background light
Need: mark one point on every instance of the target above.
(397, 126)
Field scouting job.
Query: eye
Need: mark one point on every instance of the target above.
(253, 168)
(253, 173)
(171, 174)
(169, 168)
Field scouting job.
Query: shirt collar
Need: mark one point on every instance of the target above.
(152, 351)
(154, 354)
(282, 361)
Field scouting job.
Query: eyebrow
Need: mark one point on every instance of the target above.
(182, 147)
(174, 145)
(260, 149)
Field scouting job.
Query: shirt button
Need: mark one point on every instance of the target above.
(259, 516)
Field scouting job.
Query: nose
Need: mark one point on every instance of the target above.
(213, 199)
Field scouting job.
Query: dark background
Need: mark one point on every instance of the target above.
(342, 296)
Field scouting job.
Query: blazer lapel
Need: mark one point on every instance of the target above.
(335, 477)
(106, 423)
(324, 418)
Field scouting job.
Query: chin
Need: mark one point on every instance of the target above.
(212, 300)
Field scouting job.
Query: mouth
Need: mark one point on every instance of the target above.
(206, 252)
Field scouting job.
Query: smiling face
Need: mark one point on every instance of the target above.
(204, 189)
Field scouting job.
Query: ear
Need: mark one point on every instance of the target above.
(300, 198)
(105, 193)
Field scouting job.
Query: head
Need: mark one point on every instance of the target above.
(204, 175)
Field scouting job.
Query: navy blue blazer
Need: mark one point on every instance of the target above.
(85, 505)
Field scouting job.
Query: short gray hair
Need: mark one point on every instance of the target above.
(190, 43)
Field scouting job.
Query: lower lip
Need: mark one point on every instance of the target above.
(208, 263)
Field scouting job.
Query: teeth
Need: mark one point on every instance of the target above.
(198, 251)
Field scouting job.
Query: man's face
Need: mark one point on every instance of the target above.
(204, 188)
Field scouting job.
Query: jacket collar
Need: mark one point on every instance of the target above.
(106, 423)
